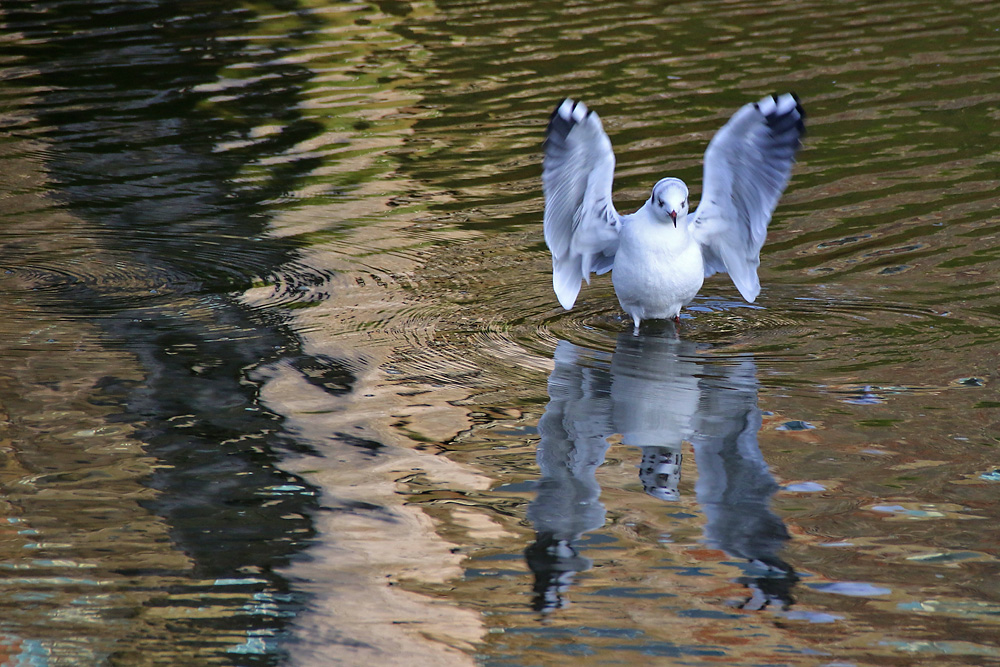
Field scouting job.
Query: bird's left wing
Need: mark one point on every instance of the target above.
(747, 166)
(581, 223)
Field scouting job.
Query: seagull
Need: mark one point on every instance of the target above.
(661, 254)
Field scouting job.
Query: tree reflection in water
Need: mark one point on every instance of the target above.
(657, 392)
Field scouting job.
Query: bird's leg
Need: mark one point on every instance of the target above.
(677, 319)
(635, 331)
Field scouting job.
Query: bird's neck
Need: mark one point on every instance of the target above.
(649, 231)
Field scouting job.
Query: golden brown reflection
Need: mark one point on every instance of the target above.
(82, 559)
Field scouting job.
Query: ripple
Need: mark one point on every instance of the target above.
(119, 285)
(371, 174)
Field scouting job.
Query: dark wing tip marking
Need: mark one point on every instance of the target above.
(560, 126)
(801, 110)
(555, 112)
(793, 117)
(786, 125)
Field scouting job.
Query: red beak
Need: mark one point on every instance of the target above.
(673, 216)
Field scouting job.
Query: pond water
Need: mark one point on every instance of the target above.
(283, 379)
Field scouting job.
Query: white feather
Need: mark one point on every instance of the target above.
(747, 166)
(580, 218)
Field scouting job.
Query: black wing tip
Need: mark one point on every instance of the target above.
(560, 126)
(780, 121)
(573, 106)
(798, 107)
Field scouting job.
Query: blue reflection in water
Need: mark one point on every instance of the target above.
(657, 392)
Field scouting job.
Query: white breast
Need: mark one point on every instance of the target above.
(658, 268)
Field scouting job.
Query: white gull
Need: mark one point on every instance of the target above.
(660, 254)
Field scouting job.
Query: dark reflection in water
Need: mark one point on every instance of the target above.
(657, 392)
(124, 98)
(172, 227)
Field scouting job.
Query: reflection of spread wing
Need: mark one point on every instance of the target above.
(747, 166)
(734, 484)
(574, 432)
(581, 224)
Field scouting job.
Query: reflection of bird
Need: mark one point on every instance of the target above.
(655, 394)
(553, 561)
(656, 391)
(574, 432)
(734, 486)
(660, 254)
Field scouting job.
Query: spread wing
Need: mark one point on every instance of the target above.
(747, 166)
(581, 223)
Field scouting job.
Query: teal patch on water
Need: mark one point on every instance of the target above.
(526, 486)
(251, 581)
(851, 588)
(254, 646)
(804, 487)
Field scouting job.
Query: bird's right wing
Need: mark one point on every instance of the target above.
(581, 223)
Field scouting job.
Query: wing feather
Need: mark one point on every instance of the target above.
(747, 166)
(581, 223)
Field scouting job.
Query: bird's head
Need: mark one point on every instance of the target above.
(669, 200)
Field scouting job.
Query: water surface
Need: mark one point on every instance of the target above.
(284, 381)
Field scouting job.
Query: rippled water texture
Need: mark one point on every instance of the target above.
(283, 380)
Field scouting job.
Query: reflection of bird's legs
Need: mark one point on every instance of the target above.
(657, 325)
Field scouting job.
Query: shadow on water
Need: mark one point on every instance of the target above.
(658, 393)
(174, 227)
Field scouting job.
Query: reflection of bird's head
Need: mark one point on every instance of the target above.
(660, 472)
(669, 200)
